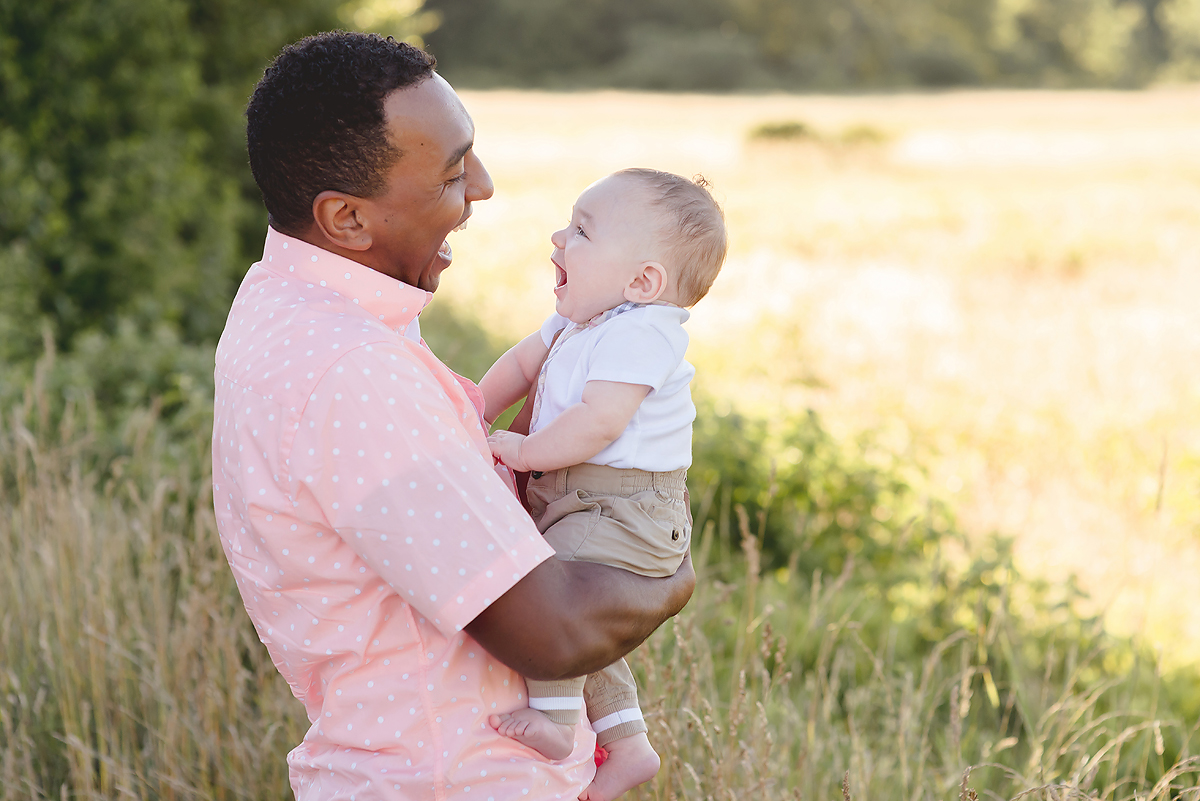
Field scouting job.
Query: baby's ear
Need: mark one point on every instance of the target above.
(649, 283)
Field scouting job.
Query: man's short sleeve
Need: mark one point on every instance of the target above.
(399, 465)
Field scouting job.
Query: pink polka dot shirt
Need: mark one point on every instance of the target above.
(365, 525)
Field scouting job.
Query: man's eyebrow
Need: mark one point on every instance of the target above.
(458, 155)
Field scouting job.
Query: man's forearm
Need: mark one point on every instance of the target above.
(571, 618)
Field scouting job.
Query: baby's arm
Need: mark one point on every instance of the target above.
(576, 435)
(509, 379)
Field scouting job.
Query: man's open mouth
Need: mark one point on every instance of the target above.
(445, 250)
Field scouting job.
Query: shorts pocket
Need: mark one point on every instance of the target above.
(568, 521)
(638, 533)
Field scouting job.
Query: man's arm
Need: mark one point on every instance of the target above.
(571, 618)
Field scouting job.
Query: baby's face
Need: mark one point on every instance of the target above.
(602, 249)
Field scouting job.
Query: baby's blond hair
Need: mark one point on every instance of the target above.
(691, 229)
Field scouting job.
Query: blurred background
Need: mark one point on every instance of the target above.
(950, 363)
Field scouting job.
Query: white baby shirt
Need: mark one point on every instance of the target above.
(645, 345)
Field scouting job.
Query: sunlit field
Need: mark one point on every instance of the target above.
(1003, 285)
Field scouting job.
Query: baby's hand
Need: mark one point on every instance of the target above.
(506, 446)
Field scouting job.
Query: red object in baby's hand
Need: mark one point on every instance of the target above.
(601, 756)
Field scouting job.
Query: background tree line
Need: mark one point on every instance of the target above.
(705, 45)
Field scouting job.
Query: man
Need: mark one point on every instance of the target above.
(390, 571)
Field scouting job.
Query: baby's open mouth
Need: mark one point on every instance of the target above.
(560, 277)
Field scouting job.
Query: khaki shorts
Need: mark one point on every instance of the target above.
(632, 519)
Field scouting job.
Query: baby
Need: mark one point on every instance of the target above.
(611, 433)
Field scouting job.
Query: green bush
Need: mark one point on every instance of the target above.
(812, 500)
(862, 134)
(789, 130)
(124, 193)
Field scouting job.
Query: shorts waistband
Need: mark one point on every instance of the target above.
(613, 480)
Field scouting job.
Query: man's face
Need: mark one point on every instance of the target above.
(431, 186)
(598, 254)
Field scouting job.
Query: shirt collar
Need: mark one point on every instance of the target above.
(605, 316)
(393, 302)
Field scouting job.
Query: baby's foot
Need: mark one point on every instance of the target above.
(532, 728)
(631, 761)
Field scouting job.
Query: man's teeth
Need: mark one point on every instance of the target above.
(461, 226)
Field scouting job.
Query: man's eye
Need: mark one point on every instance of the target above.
(458, 177)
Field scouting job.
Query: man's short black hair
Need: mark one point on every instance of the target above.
(316, 120)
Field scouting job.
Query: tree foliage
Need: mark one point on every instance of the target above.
(123, 186)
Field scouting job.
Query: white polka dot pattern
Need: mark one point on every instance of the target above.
(365, 526)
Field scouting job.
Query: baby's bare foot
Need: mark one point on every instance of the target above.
(631, 761)
(532, 728)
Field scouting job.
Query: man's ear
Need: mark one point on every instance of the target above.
(648, 285)
(340, 218)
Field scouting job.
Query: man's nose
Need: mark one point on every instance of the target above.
(481, 186)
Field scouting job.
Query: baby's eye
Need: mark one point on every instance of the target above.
(580, 232)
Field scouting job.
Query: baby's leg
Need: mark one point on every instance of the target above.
(548, 726)
(613, 709)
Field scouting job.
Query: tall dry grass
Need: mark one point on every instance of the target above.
(849, 715)
(130, 670)
(128, 665)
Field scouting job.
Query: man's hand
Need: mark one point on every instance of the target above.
(571, 618)
(506, 446)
